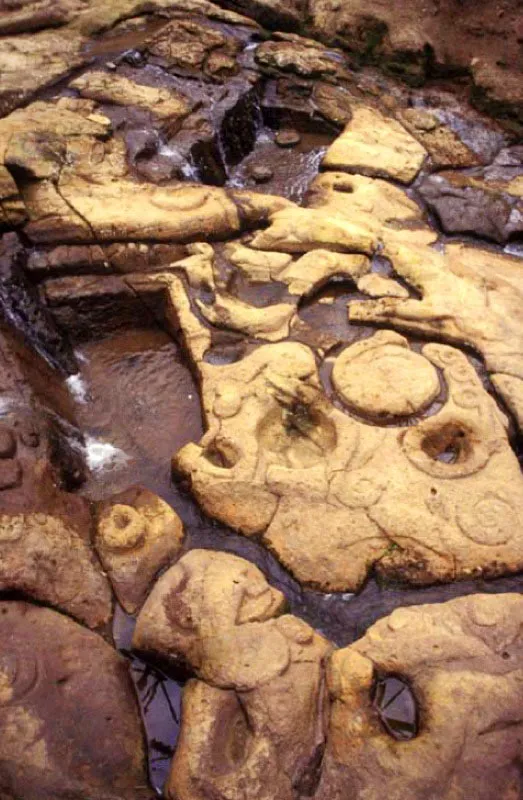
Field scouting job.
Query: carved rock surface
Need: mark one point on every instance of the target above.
(43, 556)
(255, 723)
(45, 532)
(469, 295)
(356, 439)
(258, 720)
(332, 496)
(137, 535)
(462, 660)
(364, 373)
(70, 725)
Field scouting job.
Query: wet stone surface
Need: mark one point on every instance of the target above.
(261, 402)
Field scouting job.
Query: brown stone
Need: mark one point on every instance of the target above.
(43, 556)
(193, 45)
(258, 720)
(45, 532)
(462, 662)
(12, 211)
(482, 40)
(7, 442)
(261, 173)
(273, 13)
(70, 725)
(497, 86)
(30, 62)
(10, 474)
(297, 55)
(487, 203)
(138, 535)
(287, 138)
(36, 14)
(334, 102)
(99, 15)
(443, 145)
(332, 496)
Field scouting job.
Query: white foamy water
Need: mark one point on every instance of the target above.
(77, 388)
(189, 171)
(169, 152)
(101, 455)
(81, 357)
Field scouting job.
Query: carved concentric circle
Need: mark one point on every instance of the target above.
(123, 528)
(467, 397)
(493, 520)
(359, 490)
(387, 380)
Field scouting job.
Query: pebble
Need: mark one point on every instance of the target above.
(287, 138)
(261, 173)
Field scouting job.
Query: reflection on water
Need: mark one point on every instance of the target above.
(160, 699)
(396, 706)
(141, 401)
(293, 168)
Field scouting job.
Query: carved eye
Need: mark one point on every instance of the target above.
(396, 706)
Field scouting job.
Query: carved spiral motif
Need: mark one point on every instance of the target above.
(466, 397)
(358, 491)
(442, 356)
(491, 521)
(123, 528)
(461, 372)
